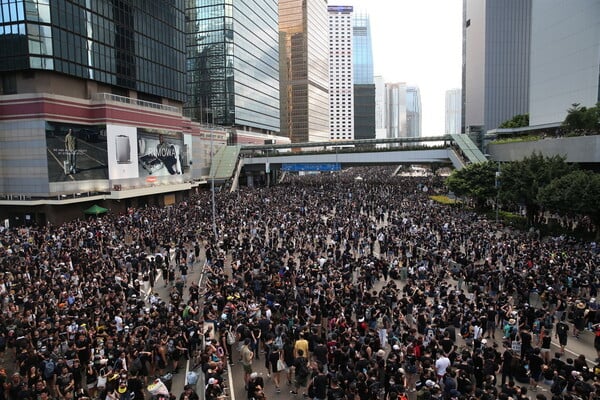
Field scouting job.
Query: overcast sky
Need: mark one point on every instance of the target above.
(418, 42)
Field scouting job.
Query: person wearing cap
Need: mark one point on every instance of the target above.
(256, 386)
(579, 318)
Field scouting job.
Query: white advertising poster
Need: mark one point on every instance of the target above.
(121, 144)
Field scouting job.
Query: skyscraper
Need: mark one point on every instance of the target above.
(341, 90)
(496, 38)
(413, 112)
(395, 105)
(452, 111)
(233, 63)
(565, 54)
(304, 70)
(90, 107)
(380, 108)
(364, 86)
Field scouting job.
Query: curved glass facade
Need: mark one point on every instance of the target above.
(132, 44)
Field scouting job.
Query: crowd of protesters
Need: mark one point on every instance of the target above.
(340, 286)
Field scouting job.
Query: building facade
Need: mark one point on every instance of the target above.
(90, 108)
(413, 112)
(364, 85)
(496, 39)
(341, 85)
(233, 63)
(304, 70)
(395, 105)
(452, 113)
(565, 57)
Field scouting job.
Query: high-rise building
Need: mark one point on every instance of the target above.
(565, 54)
(341, 90)
(364, 85)
(380, 108)
(304, 70)
(90, 108)
(496, 39)
(395, 106)
(233, 63)
(413, 112)
(452, 111)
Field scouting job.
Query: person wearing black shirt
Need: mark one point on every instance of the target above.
(562, 333)
(535, 368)
(320, 384)
(256, 385)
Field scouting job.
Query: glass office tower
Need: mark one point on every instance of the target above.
(233, 63)
(413, 112)
(304, 70)
(364, 85)
(128, 44)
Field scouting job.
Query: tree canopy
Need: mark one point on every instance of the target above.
(476, 181)
(518, 121)
(575, 193)
(583, 120)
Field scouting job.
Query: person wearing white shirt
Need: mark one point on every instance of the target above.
(441, 366)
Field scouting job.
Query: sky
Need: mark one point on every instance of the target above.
(418, 42)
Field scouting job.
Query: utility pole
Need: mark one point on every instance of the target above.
(212, 180)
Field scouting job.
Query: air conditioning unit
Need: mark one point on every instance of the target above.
(116, 188)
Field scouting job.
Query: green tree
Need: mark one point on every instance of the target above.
(575, 193)
(475, 181)
(522, 180)
(518, 121)
(583, 120)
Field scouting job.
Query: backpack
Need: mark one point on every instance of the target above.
(279, 342)
(465, 331)
(49, 367)
(230, 337)
(302, 368)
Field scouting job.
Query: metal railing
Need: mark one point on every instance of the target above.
(135, 102)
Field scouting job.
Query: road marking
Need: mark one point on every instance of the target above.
(231, 388)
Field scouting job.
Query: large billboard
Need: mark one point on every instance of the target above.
(76, 152)
(162, 153)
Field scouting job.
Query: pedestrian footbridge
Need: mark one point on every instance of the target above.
(230, 161)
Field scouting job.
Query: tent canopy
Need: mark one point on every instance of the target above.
(95, 210)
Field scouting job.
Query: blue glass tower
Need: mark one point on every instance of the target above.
(364, 83)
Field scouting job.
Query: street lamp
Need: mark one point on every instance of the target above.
(212, 180)
(497, 184)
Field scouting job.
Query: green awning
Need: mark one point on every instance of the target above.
(95, 210)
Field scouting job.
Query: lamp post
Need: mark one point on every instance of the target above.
(497, 184)
(212, 180)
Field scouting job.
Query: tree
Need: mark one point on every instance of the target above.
(518, 121)
(583, 120)
(475, 181)
(575, 193)
(522, 180)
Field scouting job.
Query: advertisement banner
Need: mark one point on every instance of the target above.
(76, 152)
(122, 151)
(162, 153)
